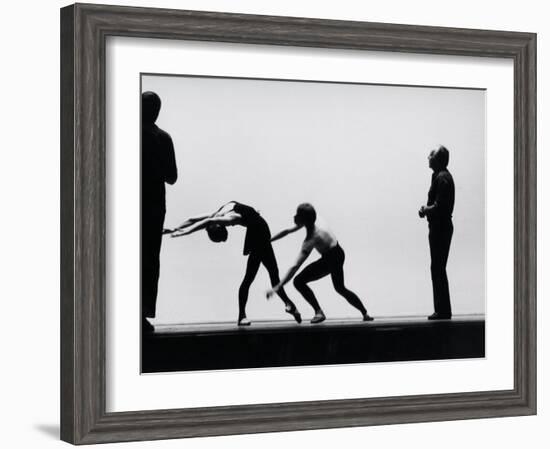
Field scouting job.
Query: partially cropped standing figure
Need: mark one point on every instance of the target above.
(257, 246)
(439, 211)
(158, 167)
(331, 263)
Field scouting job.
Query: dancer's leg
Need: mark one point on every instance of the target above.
(337, 276)
(252, 266)
(270, 263)
(312, 272)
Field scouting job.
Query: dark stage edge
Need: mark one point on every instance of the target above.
(283, 343)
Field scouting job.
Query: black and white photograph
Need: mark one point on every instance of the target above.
(291, 223)
(243, 224)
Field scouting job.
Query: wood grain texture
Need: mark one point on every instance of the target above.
(83, 32)
(67, 226)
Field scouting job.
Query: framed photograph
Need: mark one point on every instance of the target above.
(267, 223)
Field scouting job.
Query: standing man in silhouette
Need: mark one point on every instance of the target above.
(158, 166)
(438, 211)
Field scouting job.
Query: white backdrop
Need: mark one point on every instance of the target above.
(358, 153)
(29, 332)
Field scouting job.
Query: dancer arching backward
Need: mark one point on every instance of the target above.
(257, 245)
(331, 262)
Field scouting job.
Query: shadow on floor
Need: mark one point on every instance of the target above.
(51, 430)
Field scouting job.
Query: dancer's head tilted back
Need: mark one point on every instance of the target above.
(216, 232)
(305, 215)
(150, 107)
(439, 159)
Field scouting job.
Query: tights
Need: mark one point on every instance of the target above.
(266, 257)
(330, 263)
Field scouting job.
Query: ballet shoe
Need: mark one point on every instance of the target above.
(294, 312)
(244, 322)
(318, 318)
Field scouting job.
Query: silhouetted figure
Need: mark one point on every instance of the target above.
(439, 211)
(331, 262)
(257, 246)
(158, 166)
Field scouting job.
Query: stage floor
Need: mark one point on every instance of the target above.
(185, 347)
(271, 326)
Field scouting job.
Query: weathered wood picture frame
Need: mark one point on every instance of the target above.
(84, 29)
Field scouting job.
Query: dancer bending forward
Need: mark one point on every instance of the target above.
(331, 262)
(257, 246)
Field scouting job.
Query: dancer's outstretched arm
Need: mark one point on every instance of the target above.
(307, 247)
(225, 220)
(285, 232)
(193, 220)
(221, 208)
